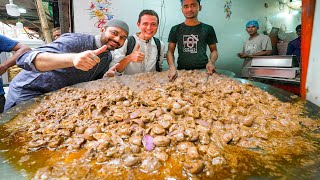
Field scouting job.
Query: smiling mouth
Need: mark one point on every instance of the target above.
(114, 44)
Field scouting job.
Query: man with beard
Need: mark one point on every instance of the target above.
(256, 45)
(72, 58)
(192, 37)
(141, 52)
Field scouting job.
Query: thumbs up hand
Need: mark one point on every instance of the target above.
(136, 55)
(112, 71)
(87, 59)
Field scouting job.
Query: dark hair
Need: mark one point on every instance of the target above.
(298, 27)
(197, 0)
(56, 29)
(149, 12)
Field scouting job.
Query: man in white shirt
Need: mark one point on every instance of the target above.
(147, 52)
(256, 45)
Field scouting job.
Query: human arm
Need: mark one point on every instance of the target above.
(266, 49)
(112, 71)
(19, 50)
(170, 58)
(213, 58)
(261, 53)
(84, 61)
(135, 56)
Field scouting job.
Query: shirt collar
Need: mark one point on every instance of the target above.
(142, 40)
(98, 41)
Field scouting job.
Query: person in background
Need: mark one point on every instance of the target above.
(192, 37)
(8, 45)
(294, 46)
(256, 45)
(73, 58)
(141, 52)
(56, 32)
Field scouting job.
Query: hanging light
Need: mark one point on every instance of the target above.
(12, 9)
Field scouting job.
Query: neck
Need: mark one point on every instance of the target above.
(142, 37)
(253, 35)
(192, 22)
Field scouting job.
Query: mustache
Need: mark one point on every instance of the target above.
(113, 48)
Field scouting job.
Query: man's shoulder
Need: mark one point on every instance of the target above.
(76, 35)
(295, 40)
(262, 36)
(175, 27)
(206, 25)
(75, 38)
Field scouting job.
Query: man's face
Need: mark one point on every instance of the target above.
(113, 37)
(190, 8)
(299, 32)
(252, 30)
(148, 26)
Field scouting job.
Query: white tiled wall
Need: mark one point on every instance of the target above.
(313, 79)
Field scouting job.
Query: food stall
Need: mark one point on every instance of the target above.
(144, 127)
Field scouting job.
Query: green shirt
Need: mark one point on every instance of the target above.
(192, 44)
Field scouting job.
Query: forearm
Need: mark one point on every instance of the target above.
(123, 64)
(52, 61)
(262, 53)
(170, 59)
(213, 56)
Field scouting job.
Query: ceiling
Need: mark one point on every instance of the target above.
(29, 19)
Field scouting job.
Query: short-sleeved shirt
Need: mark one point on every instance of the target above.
(192, 44)
(6, 46)
(252, 46)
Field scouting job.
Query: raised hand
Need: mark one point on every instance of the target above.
(210, 68)
(173, 74)
(112, 71)
(88, 59)
(136, 55)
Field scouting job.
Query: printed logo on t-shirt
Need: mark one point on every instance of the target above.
(190, 43)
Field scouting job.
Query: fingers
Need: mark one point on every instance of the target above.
(100, 50)
(113, 68)
(111, 72)
(137, 48)
(172, 75)
(84, 63)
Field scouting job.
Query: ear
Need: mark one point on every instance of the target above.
(138, 24)
(200, 7)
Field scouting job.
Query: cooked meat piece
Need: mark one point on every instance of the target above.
(143, 126)
(161, 141)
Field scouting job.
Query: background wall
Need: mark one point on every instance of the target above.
(230, 32)
(313, 82)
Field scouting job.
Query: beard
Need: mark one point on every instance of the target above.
(112, 47)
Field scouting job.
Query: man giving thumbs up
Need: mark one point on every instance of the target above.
(73, 58)
(141, 52)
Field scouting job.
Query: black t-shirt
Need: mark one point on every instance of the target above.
(192, 44)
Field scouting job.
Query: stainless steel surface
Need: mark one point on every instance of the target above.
(273, 72)
(285, 80)
(274, 61)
